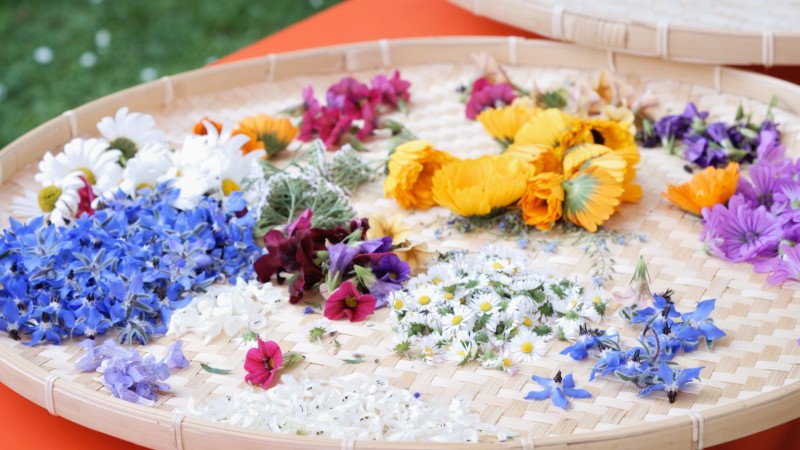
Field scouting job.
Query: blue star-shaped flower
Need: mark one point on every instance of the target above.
(671, 382)
(557, 389)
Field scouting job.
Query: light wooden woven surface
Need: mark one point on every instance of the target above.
(759, 355)
(718, 32)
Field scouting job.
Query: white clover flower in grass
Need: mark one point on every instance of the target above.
(527, 347)
(129, 132)
(90, 158)
(57, 201)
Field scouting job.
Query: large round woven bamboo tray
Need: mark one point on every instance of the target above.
(750, 381)
(716, 32)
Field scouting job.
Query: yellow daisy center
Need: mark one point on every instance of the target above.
(229, 186)
(486, 306)
(573, 303)
(398, 304)
(456, 320)
(424, 300)
(497, 265)
(436, 280)
(144, 186)
(428, 352)
(527, 321)
(48, 197)
(89, 175)
(448, 296)
(526, 347)
(507, 362)
(597, 299)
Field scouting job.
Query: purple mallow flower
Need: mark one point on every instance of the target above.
(740, 232)
(786, 266)
(557, 389)
(129, 375)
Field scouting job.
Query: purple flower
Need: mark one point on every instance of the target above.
(740, 233)
(718, 131)
(392, 269)
(674, 127)
(340, 261)
(381, 290)
(377, 245)
(486, 95)
(767, 179)
(558, 389)
(671, 383)
(786, 266)
(174, 358)
(393, 90)
(769, 147)
(698, 150)
(352, 97)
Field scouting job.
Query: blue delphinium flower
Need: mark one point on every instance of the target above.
(557, 389)
(670, 381)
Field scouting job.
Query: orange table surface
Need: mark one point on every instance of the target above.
(26, 425)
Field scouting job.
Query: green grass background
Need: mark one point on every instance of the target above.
(168, 36)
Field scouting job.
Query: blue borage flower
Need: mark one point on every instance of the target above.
(128, 266)
(666, 333)
(557, 389)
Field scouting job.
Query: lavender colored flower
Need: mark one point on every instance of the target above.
(740, 232)
(769, 147)
(786, 266)
(557, 389)
(766, 181)
(174, 358)
(673, 127)
(378, 245)
(700, 151)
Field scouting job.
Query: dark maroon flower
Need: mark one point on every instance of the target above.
(347, 302)
(486, 95)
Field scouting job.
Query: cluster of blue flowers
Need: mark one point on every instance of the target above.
(129, 266)
(713, 144)
(129, 375)
(666, 333)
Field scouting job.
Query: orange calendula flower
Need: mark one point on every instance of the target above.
(272, 134)
(503, 123)
(543, 200)
(710, 187)
(590, 197)
(543, 158)
(546, 128)
(200, 127)
(411, 169)
(476, 187)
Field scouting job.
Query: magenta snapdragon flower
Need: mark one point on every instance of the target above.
(487, 95)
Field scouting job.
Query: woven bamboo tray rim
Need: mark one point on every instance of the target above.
(668, 37)
(160, 429)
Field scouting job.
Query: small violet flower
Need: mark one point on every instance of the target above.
(557, 389)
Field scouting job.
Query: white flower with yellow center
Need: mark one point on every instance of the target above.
(440, 274)
(569, 326)
(460, 352)
(398, 301)
(460, 319)
(129, 132)
(430, 350)
(90, 158)
(594, 305)
(150, 167)
(57, 201)
(486, 303)
(526, 347)
(424, 299)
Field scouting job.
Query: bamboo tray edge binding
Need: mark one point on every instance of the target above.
(158, 429)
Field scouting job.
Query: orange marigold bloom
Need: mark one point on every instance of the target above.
(411, 169)
(200, 127)
(542, 202)
(272, 134)
(706, 189)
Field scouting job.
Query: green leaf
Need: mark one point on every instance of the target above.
(358, 358)
(214, 370)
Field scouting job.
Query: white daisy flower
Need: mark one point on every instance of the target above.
(594, 305)
(57, 201)
(440, 274)
(398, 301)
(569, 326)
(460, 351)
(461, 319)
(150, 167)
(90, 157)
(129, 132)
(430, 350)
(318, 329)
(486, 303)
(527, 347)
(424, 299)
(236, 167)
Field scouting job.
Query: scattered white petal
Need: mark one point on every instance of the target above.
(87, 59)
(102, 39)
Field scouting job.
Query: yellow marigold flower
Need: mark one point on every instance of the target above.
(476, 187)
(542, 202)
(272, 134)
(705, 189)
(411, 169)
(590, 197)
(380, 225)
(546, 128)
(504, 123)
(541, 157)
(614, 135)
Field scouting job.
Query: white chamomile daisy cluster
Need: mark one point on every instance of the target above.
(226, 308)
(357, 407)
(131, 155)
(490, 308)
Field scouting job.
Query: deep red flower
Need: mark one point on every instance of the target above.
(262, 362)
(86, 197)
(346, 301)
(294, 252)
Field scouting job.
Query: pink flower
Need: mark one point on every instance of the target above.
(262, 362)
(346, 301)
(393, 90)
(487, 95)
(330, 124)
(86, 198)
(352, 97)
